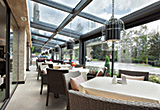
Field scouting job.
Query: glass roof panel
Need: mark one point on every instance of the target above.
(70, 3)
(82, 25)
(56, 42)
(39, 38)
(47, 14)
(63, 37)
(38, 31)
(103, 9)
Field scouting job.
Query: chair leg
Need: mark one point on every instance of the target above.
(47, 96)
(38, 76)
(41, 86)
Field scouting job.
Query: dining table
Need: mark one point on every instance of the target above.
(134, 90)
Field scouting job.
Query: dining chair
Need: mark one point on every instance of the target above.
(55, 82)
(82, 101)
(134, 73)
(43, 76)
(66, 79)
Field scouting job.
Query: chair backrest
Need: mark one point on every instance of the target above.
(57, 61)
(66, 79)
(134, 73)
(81, 101)
(55, 81)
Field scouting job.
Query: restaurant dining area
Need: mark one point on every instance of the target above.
(79, 55)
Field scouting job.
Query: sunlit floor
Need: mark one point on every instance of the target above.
(2, 96)
(27, 97)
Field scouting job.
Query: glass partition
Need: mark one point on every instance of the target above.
(2, 53)
(14, 32)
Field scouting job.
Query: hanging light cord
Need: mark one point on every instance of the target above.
(112, 8)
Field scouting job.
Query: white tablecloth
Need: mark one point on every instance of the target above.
(142, 91)
(63, 66)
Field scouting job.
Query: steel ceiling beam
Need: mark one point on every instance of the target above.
(45, 36)
(52, 28)
(68, 9)
(81, 5)
(145, 15)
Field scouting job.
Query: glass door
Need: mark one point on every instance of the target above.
(2, 53)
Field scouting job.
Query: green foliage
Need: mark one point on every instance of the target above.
(36, 50)
(97, 52)
(144, 45)
(154, 78)
(107, 64)
(95, 60)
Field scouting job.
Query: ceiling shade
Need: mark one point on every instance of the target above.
(50, 51)
(70, 45)
(56, 49)
(113, 29)
(46, 52)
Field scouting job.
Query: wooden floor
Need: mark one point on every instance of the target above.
(27, 97)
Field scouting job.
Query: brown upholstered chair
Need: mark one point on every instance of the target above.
(82, 101)
(134, 73)
(55, 82)
(66, 78)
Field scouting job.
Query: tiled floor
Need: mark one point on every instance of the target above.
(27, 97)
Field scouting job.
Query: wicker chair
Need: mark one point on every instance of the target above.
(38, 65)
(55, 82)
(134, 73)
(38, 60)
(43, 76)
(66, 78)
(81, 101)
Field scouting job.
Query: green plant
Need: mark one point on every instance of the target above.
(154, 78)
(107, 64)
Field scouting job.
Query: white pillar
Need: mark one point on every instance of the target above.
(19, 54)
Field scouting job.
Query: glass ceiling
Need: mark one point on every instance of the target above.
(63, 37)
(70, 3)
(46, 33)
(49, 15)
(103, 10)
(82, 25)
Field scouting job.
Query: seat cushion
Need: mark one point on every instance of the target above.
(100, 73)
(44, 71)
(141, 78)
(76, 81)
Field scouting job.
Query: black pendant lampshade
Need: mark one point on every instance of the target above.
(70, 45)
(56, 49)
(43, 54)
(50, 51)
(113, 29)
(46, 52)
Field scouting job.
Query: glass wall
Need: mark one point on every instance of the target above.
(2, 53)
(6, 92)
(13, 53)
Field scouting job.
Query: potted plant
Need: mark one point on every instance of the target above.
(107, 65)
